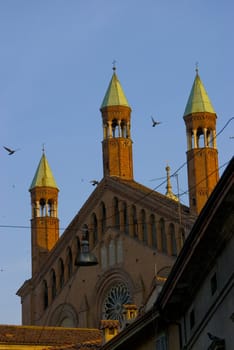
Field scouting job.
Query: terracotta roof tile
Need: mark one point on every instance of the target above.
(109, 324)
(130, 306)
(81, 337)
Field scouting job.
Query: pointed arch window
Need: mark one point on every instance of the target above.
(77, 247)
(134, 221)
(125, 218)
(53, 284)
(61, 273)
(94, 227)
(77, 244)
(143, 226)
(153, 231)
(116, 212)
(45, 295)
(163, 235)
(103, 218)
(172, 239)
(69, 262)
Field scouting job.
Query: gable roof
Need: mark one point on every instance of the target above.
(134, 194)
(137, 194)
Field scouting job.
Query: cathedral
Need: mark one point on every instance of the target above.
(125, 239)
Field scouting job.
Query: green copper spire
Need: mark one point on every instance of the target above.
(114, 94)
(43, 176)
(198, 99)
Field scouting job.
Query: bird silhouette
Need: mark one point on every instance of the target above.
(10, 151)
(155, 122)
(94, 182)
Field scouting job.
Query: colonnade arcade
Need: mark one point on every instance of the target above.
(45, 207)
(201, 137)
(116, 128)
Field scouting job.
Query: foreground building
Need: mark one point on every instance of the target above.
(195, 309)
(132, 230)
(199, 293)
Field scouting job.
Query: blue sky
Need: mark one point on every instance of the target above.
(55, 65)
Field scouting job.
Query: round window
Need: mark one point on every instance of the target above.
(116, 297)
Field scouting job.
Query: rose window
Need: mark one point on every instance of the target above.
(117, 296)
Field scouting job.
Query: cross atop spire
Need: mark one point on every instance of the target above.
(114, 65)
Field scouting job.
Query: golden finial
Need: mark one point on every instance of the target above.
(169, 192)
(168, 187)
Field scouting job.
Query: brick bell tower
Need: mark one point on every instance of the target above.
(117, 143)
(202, 154)
(44, 221)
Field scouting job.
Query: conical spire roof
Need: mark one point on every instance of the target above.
(114, 95)
(198, 99)
(43, 176)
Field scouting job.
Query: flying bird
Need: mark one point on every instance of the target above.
(155, 122)
(94, 182)
(10, 151)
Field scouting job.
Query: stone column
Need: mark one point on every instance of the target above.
(195, 138)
